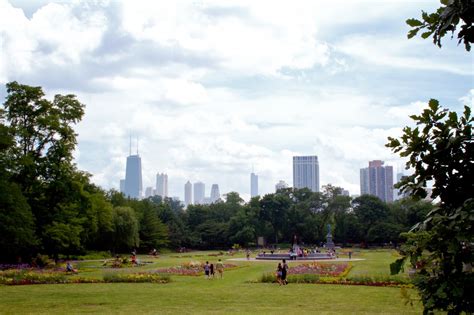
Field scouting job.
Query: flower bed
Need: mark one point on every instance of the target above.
(333, 270)
(193, 268)
(379, 281)
(18, 277)
(136, 278)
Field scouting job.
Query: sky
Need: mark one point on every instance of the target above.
(214, 89)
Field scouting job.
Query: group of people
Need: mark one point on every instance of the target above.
(209, 269)
(281, 272)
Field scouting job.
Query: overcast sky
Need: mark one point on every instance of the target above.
(212, 88)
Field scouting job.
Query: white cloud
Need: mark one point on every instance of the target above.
(468, 99)
(212, 88)
(399, 52)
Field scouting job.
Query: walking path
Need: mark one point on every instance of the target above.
(299, 261)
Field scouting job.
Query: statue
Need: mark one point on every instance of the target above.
(329, 241)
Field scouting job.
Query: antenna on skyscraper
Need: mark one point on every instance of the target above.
(130, 149)
(137, 145)
(253, 169)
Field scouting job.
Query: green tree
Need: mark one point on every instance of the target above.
(126, 229)
(17, 228)
(446, 19)
(440, 150)
(369, 210)
(40, 162)
(153, 233)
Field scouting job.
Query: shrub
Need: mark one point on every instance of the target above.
(136, 278)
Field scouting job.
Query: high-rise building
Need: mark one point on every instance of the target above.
(253, 185)
(306, 172)
(215, 194)
(377, 180)
(188, 193)
(199, 193)
(149, 192)
(133, 177)
(122, 186)
(161, 185)
(281, 185)
(397, 194)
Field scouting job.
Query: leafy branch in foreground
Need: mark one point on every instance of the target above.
(440, 149)
(446, 19)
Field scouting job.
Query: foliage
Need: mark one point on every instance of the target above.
(115, 277)
(17, 228)
(446, 19)
(125, 229)
(441, 150)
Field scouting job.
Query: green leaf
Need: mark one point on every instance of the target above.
(414, 22)
(433, 104)
(397, 266)
(445, 2)
(425, 35)
(412, 32)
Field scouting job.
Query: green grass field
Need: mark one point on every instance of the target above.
(236, 293)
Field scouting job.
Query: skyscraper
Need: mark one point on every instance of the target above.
(199, 193)
(122, 186)
(377, 180)
(253, 185)
(133, 177)
(215, 195)
(306, 172)
(188, 193)
(148, 192)
(162, 185)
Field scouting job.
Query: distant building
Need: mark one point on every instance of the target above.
(161, 185)
(122, 186)
(377, 180)
(215, 194)
(133, 177)
(253, 185)
(345, 192)
(281, 185)
(306, 172)
(188, 193)
(206, 201)
(397, 194)
(149, 192)
(199, 193)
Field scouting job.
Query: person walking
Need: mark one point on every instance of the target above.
(220, 268)
(211, 271)
(279, 273)
(207, 270)
(284, 271)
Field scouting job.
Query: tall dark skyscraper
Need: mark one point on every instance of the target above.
(253, 185)
(133, 177)
(377, 180)
(306, 172)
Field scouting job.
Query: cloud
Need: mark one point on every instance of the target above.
(213, 88)
(398, 52)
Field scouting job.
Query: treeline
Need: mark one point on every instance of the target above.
(48, 206)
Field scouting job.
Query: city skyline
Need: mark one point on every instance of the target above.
(302, 81)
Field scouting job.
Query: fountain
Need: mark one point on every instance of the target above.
(296, 253)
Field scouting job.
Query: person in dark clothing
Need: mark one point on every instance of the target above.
(284, 270)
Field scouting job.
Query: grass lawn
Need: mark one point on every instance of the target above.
(187, 294)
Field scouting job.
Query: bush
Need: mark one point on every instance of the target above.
(136, 278)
